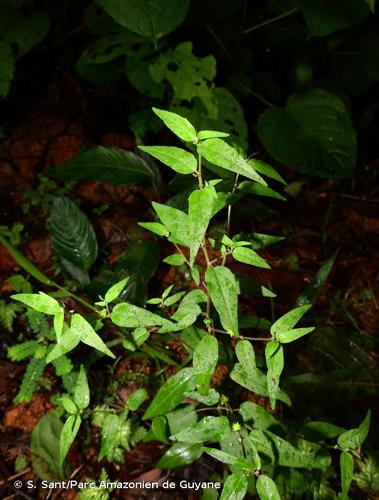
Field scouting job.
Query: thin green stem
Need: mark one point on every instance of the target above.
(251, 92)
(269, 21)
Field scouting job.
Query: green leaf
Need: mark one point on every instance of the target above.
(171, 394)
(248, 256)
(180, 454)
(173, 299)
(223, 291)
(311, 291)
(262, 418)
(159, 429)
(27, 32)
(40, 302)
(211, 399)
(235, 487)
(115, 290)
(325, 17)
(130, 316)
(181, 418)
(155, 227)
(72, 234)
(211, 134)
(354, 438)
(347, 472)
(69, 340)
(246, 355)
(149, 18)
(266, 488)
(205, 359)
(136, 398)
(103, 60)
(289, 320)
(208, 429)
(202, 205)
(87, 335)
(275, 364)
(227, 458)
(265, 169)
(312, 134)
(251, 187)
(81, 391)
(6, 68)
(101, 164)
(175, 221)
(178, 159)
(44, 447)
(109, 435)
(176, 259)
(68, 434)
(291, 335)
(219, 153)
(58, 324)
(188, 75)
(177, 124)
(288, 455)
(68, 404)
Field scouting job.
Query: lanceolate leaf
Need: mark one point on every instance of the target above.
(177, 124)
(204, 362)
(176, 222)
(202, 206)
(275, 365)
(87, 334)
(223, 290)
(208, 429)
(219, 153)
(354, 438)
(73, 236)
(309, 294)
(111, 165)
(40, 302)
(180, 454)
(131, 316)
(178, 159)
(248, 256)
(68, 434)
(81, 391)
(291, 335)
(267, 489)
(289, 320)
(235, 487)
(115, 290)
(347, 471)
(171, 393)
(69, 340)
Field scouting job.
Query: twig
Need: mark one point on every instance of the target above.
(269, 21)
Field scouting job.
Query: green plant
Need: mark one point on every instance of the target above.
(21, 29)
(256, 449)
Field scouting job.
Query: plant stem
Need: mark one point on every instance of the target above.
(185, 258)
(269, 21)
